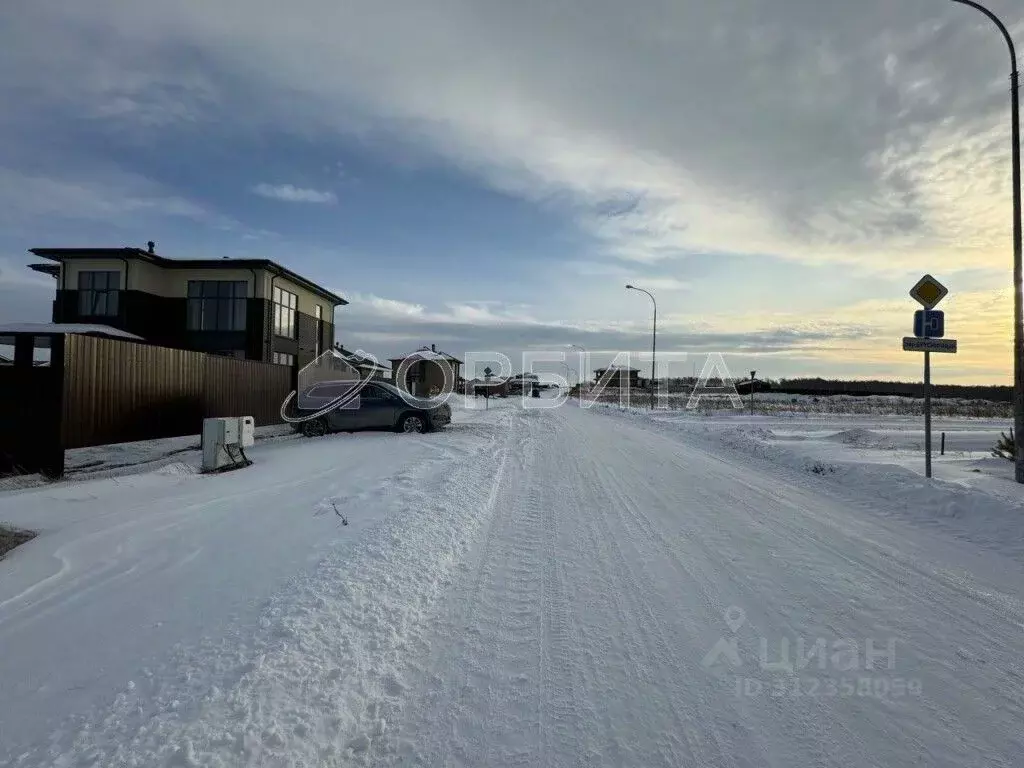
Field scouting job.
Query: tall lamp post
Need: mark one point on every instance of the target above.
(583, 361)
(1018, 310)
(654, 339)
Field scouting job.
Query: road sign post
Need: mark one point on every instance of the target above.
(929, 327)
(927, 414)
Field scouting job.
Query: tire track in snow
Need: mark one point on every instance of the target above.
(653, 634)
(457, 674)
(812, 535)
(499, 688)
(560, 727)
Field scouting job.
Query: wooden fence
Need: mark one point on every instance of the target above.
(97, 391)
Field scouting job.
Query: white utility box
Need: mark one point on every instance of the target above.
(221, 444)
(246, 431)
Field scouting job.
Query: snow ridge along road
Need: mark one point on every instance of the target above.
(570, 588)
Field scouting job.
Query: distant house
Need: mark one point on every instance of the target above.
(523, 382)
(426, 371)
(246, 308)
(759, 385)
(619, 376)
(368, 369)
(488, 387)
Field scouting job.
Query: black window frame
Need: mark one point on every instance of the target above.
(92, 297)
(318, 316)
(216, 305)
(285, 312)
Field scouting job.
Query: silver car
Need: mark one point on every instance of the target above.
(378, 405)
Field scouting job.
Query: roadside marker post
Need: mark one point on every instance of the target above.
(929, 327)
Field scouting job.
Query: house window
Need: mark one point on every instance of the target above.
(285, 306)
(97, 293)
(318, 314)
(216, 305)
(283, 359)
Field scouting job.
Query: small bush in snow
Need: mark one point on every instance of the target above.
(1006, 447)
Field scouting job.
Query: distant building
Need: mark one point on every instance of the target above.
(368, 369)
(426, 371)
(619, 376)
(488, 387)
(523, 382)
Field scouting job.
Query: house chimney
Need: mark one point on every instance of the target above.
(433, 347)
(152, 246)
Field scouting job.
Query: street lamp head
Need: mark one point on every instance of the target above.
(630, 287)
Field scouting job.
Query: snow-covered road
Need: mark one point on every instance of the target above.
(574, 587)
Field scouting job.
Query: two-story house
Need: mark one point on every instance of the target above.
(247, 308)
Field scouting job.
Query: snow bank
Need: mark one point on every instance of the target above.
(317, 681)
(975, 501)
(129, 458)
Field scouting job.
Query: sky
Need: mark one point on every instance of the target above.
(487, 175)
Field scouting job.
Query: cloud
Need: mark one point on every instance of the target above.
(871, 135)
(628, 273)
(103, 195)
(25, 296)
(807, 131)
(292, 194)
(472, 312)
(860, 339)
(811, 132)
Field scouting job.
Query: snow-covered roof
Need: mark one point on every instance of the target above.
(83, 328)
(359, 360)
(426, 353)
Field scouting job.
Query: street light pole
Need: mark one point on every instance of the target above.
(583, 361)
(1018, 309)
(654, 339)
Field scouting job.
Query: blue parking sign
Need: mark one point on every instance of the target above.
(929, 324)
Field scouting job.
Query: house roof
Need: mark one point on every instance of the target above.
(80, 328)
(360, 361)
(64, 254)
(426, 353)
(47, 269)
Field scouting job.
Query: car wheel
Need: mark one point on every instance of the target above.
(412, 422)
(314, 428)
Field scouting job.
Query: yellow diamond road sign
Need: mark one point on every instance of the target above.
(928, 292)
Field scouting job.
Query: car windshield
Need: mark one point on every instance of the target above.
(487, 383)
